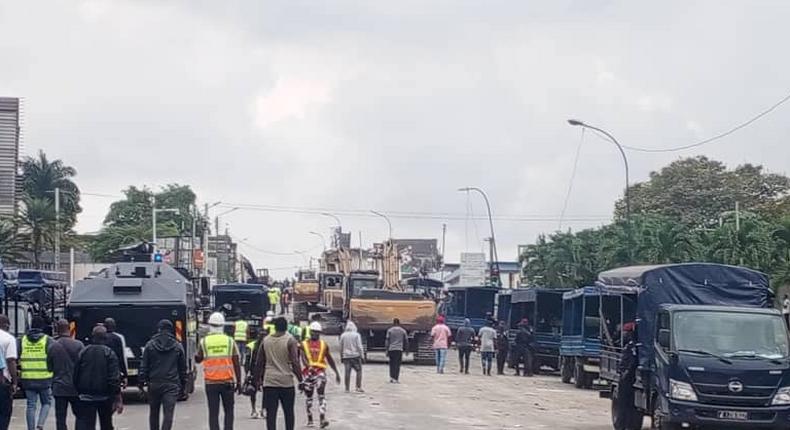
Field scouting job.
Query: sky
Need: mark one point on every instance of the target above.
(348, 106)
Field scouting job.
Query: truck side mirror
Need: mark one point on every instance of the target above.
(663, 338)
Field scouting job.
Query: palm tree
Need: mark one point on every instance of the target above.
(10, 249)
(37, 225)
(40, 178)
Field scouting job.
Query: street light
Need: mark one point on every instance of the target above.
(386, 218)
(331, 215)
(577, 123)
(494, 254)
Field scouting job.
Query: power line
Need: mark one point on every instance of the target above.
(716, 137)
(405, 215)
(573, 177)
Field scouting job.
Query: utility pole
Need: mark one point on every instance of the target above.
(444, 237)
(738, 230)
(153, 227)
(494, 269)
(57, 229)
(204, 245)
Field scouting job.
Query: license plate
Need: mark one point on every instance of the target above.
(734, 415)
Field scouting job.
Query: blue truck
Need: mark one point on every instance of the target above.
(543, 308)
(708, 350)
(591, 315)
(474, 303)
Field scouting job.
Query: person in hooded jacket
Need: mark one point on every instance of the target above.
(97, 378)
(351, 354)
(464, 340)
(36, 370)
(164, 370)
(63, 388)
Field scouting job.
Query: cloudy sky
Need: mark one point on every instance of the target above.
(348, 106)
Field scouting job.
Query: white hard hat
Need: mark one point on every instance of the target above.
(316, 326)
(216, 319)
(270, 313)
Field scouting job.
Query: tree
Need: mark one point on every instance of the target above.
(10, 247)
(37, 222)
(130, 220)
(40, 178)
(697, 191)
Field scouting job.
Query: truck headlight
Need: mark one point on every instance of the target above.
(782, 397)
(681, 391)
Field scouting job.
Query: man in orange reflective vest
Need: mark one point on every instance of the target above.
(315, 357)
(221, 370)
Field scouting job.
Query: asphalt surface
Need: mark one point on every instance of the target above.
(423, 400)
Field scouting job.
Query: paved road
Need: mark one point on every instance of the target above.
(424, 400)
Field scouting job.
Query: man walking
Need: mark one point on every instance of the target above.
(523, 348)
(36, 362)
(164, 371)
(396, 342)
(274, 299)
(241, 334)
(487, 337)
(117, 343)
(464, 340)
(253, 349)
(315, 357)
(502, 348)
(276, 367)
(441, 340)
(351, 353)
(97, 378)
(64, 359)
(8, 349)
(221, 370)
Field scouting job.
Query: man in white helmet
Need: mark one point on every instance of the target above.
(315, 357)
(221, 370)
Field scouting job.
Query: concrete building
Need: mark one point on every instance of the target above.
(9, 154)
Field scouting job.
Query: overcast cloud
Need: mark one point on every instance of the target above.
(390, 105)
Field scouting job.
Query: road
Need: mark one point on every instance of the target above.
(423, 400)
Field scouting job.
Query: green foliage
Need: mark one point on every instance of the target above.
(40, 178)
(130, 220)
(683, 213)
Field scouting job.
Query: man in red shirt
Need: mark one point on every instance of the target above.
(315, 357)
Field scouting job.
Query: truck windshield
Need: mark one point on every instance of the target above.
(363, 284)
(731, 334)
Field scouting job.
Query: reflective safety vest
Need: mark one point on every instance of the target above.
(274, 297)
(218, 358)
(269, 327)
(306, 332)
(318, 361)
(295, 331)
(34, 359)
(240, 333)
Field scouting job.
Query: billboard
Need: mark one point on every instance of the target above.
(473, 269)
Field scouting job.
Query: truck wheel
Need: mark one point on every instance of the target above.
(424, 354)
(659, 421)
(566, 370)
(578, 373)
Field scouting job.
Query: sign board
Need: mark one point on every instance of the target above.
(473, 269)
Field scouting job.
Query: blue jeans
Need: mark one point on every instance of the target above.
(441, 358)
(32, 397)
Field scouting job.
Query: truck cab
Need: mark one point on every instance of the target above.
(718, 365)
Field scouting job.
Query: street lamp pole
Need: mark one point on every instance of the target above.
(57, 229)
(494, 254)
(386, 218)
(323, 241)
(578, 123)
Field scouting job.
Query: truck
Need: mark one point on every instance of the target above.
(332, 302)
(591, 315)
(543, 308)
(246, 301)
(710, 350)
(137, 295)
(306, 295)
(372, 309)
(475, 303)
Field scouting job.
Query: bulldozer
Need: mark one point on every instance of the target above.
(372, 303)
(306, 295)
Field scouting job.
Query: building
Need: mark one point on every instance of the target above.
(223, 261)
(9, 155)
(509, 273)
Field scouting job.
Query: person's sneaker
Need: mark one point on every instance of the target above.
(324, 424)
(254, 415)
(347, 390)
(310, 423)
(359, 390)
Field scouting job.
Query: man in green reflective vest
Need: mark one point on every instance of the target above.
(241, 334)
(35, 368)
(274, 298)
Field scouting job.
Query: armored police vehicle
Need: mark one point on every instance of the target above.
(137, 295)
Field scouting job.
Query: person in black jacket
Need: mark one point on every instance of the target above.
(64, 359)
(522, 350)
(117, 344)
(164, 370)
(97, 378)
(502, 348)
